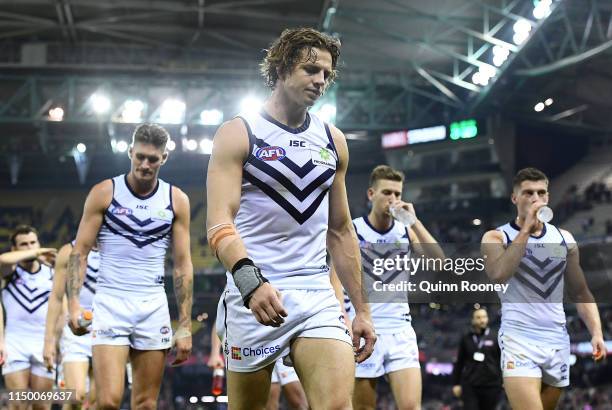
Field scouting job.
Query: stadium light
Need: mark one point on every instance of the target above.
(100, 103)
(500, 55)
(548, 102)
(171, 145)
(172, 111)
(522, 28)
(476, 222)
(190, 144)
(542, 9)
(206, 145)
(211, 117)
(250, 104)
(121, 146)
(81, 147)
(208, 399)
(193, 400)
(539, 107)
(56, 114)
(132, 111)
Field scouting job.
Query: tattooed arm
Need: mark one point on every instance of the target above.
(97, 202)
(183, 274)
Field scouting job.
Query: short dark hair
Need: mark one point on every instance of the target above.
(385, 172)
(21, 230)
(284, 52)
(151, 134)
(528, 174)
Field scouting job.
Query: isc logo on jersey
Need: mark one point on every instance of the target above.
(270, 153)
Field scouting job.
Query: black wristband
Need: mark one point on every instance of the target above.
(242, 262)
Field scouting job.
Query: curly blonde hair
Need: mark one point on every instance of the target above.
(285, 53)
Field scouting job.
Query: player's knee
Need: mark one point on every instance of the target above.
(145, 404)
(297, 401)
(335, 403)
(108, 402)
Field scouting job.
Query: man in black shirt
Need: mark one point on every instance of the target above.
(476, 375)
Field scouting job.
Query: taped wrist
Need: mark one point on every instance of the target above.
(247, 278)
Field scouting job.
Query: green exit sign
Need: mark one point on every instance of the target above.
(463, 129)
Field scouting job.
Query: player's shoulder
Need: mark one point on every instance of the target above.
(493, 236)
(567, 237)
(179, 196)
(231, 138)
(102, 193)
(232, 128)
(337, 135)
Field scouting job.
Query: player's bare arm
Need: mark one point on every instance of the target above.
(55, 318)
(97, 202)
(422, 240)
(342, 244)
(579, 292)
(182, 275)
(502, 262)
(339, 292)
(2, 351)
(223, 191)
(8, 260)
(215, 358)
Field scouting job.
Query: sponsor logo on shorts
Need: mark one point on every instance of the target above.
(165, 340)
(366, 365)
(121, 211)
(564, 368)
(510, 365)
(164, 330)
(263, 351)
(104, 333)
(226, 348)
(273, 153)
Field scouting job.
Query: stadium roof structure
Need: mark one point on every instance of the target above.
(404, 61)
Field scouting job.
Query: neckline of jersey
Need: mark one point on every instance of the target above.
(40, 265)
(518, 228)
(149, 195)
(287, 128)
(367, 221)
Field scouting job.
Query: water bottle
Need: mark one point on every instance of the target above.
(86, 318)
(217, 381)
(544, 214)
(403, 215)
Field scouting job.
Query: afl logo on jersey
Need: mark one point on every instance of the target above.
(273, 153)
(121, 211)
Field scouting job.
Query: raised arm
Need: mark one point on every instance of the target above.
(9, 259)
(342, 244)
(501, 262)
(55, 319)
(579, 293)
(223, 190)
(183, 274)
(97, 202)
(423, 241)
